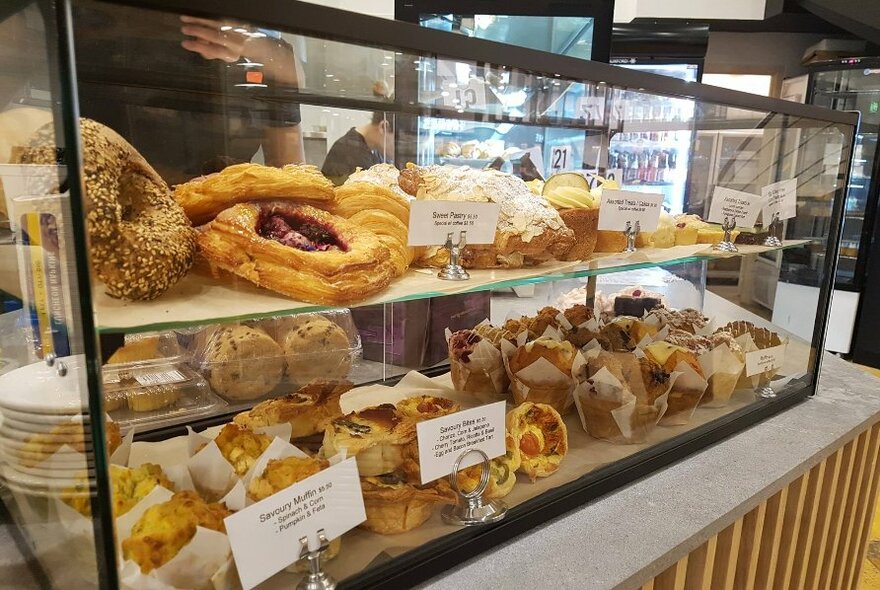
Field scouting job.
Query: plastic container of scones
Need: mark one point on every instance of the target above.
(211, 360)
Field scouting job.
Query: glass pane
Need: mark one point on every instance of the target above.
(49, 446)
(562, 35)
(243, 333)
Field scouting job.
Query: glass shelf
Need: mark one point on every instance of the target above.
(200, 299)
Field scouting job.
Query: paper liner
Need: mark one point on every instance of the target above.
(483, 374)
(211, 473)
(542, 382)
(201, 564)
(747, 343)
(684, 396)
(608, 410)
(723, 369)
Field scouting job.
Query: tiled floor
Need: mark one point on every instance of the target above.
(871, 568)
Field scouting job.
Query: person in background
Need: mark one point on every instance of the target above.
(363, 146)
(192, 95)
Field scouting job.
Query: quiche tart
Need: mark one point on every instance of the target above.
(394, 506)
(502, 473)
(379, 437)
(309, 410)
(540, 436)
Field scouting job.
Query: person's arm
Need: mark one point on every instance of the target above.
(283, 145)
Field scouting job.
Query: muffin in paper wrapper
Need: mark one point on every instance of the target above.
(723, 368)
(748, 344)
(684, 396)
(610, 411)
(542, 381)
(480, 371)
(211, 473)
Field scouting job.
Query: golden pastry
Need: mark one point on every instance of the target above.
(241, 447)
(394, 506)
(205, 197)
(385, 176)
(148, 398)
(529, 229)
(354, 197)
(283, 473)
(140, 350)
(317, 349)
(309, 410)
(392, 233)
(129, 486)
(502, 473)
(299, 251)
(426, 407)
(164, 529)
(610, 241)
(380, 438)
(540, 436)
(242, 363)
(140, 241)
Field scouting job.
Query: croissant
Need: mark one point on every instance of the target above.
(299, 251)
(205, 197)
(357, 196)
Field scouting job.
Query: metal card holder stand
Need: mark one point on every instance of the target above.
(315, 579)
(726, 244)
(470, 510)
(454, 271)
(774, 231)
(763, 389)
(631, 231)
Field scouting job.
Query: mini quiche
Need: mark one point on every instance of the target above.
(378, 437)
(394, 506)
(541, 437)
(426, 407)
(502, 473)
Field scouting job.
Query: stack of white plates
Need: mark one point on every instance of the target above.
(45, 435)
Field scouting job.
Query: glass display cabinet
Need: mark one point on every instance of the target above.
(221, 367)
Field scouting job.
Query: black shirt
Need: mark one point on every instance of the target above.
(186, 115)
(348, 153)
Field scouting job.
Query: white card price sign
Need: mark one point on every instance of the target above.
(766, 359)
(431, 221)
(617, 207)
(780, 198)
(265, 536)
(560, 158)
(443, 440)
(726, 202)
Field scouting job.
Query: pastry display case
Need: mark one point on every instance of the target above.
(222, 368)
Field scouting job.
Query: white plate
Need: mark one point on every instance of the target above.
(43, 493)
(10, 432)
(56, 472)
(38, 388)
(42, 418)
(36, 427)
(34, 482)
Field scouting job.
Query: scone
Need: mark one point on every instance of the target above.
(164, 529)
(283, 473)
(394, 506)
(540, 436)
(380, 438)
(317, 349)
(241, 447)
(308, 411)
(243, 363)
